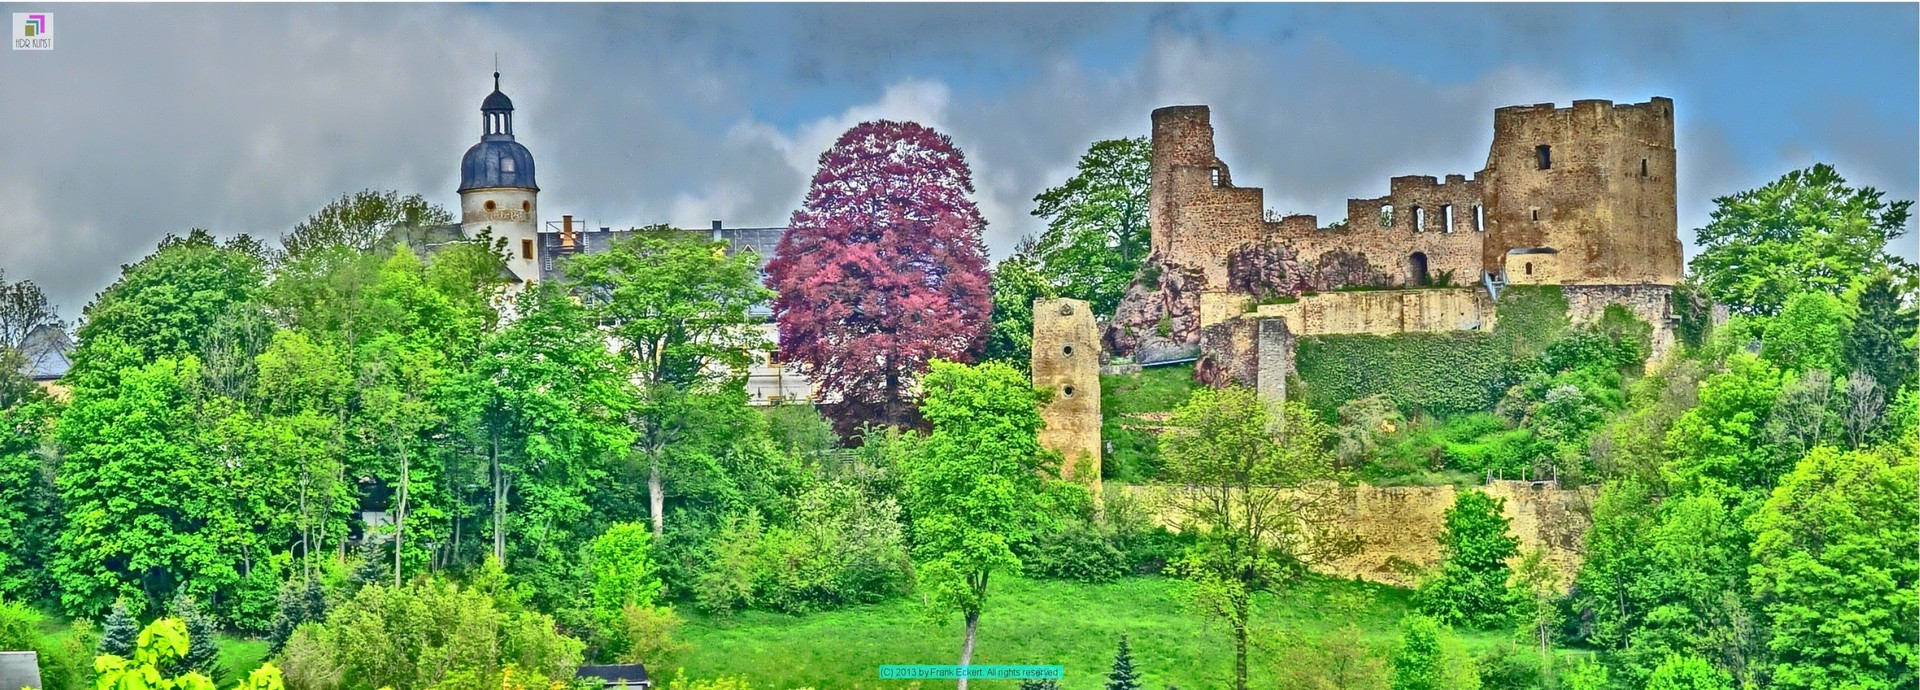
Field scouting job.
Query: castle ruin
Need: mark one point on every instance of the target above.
(1582, 197)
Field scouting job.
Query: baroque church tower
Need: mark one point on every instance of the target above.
(497, 189)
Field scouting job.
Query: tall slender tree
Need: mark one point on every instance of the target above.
(678, 307)
(1096, 232)
(1257, 483)
(882, 270)
(975, 490)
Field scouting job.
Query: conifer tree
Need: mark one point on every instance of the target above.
(1123, 677)
(121, 630)
(203, 649)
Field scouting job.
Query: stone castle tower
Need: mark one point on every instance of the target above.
(1592, 183)
(497, 190)
(1066, 361)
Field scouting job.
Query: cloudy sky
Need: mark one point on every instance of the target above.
(147, 119)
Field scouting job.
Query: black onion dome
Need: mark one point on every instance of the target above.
(498, 160)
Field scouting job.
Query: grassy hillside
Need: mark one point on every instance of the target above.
(1131, 408)
(1026, 622)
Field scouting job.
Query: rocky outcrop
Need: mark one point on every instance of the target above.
(1159, 318)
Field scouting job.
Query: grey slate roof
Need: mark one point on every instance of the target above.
(48, 351)
(760, 241)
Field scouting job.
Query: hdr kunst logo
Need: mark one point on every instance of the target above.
(32, 31)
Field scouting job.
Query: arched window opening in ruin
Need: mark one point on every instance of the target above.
(1446, 218)
(1417, 268)
(1419, 219)
(1529, 268)
(1545, 154)
(1643, 167)
(1215, 172)
(1386, 215)
(1479, 219)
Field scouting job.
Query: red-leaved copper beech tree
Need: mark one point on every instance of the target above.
(881, 270)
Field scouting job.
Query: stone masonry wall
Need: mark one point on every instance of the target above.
(1605, 197)
(1400, 527)
(1650, 303)
(1066, 361)
(1385, 312)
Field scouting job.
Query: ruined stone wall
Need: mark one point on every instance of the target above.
(1606, 198)
(1385, 312)
(1650, 303)
(1199, 217)
(1066, 361)
(1400, 527)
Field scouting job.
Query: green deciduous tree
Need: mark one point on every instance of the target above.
(1429, 659)
(1096, 232)
(1809, 333)
(1721, 444)
(1255, 484)
(1017, 282)
(975, 488)
(1833, 571)
(131, 480)
(1807, 231)
(677, 305)
(1471, 587)
(167, 303)
(360, 220)
(421, 635)
(555, 411)
(1688, 673)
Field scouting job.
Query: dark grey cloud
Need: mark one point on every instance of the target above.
(245, 118)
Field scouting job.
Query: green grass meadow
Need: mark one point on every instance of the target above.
(1026, 622)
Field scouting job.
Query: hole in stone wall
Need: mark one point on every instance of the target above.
(1446, 218)
(1643, 167)
(1529, 268)
(1215, 172)
(1386, 215)
(1417, 268)
(1536, 214)
(1419, 219)
(1545, 155)
(1479, 219)
(1067, 391)
(1067, 349)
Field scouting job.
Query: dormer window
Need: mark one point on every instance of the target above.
(506, 165)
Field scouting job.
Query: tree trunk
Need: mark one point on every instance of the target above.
(499, 504)
(966, 650)
(656, 498)
(1240, 649)
(400, 519)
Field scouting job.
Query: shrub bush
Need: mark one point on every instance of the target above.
(1078, 550)
(421, 635)
(845, 546)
